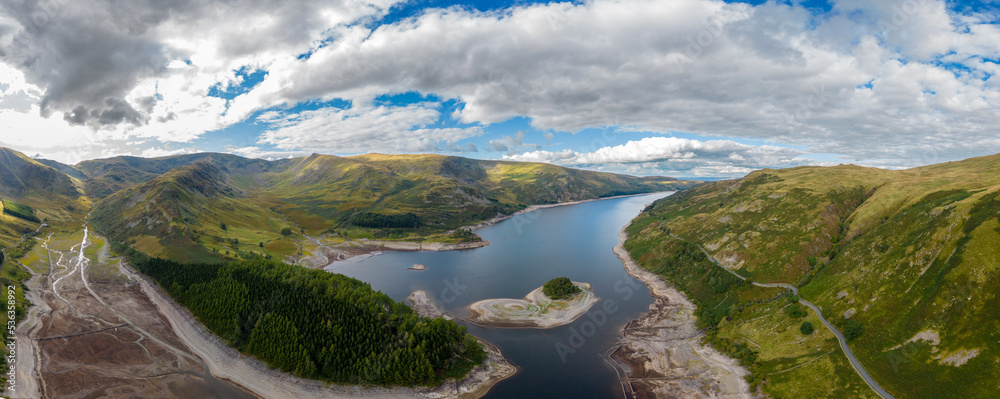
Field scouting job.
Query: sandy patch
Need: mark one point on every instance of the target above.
(536, 310)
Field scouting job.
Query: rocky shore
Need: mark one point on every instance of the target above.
(661, 354)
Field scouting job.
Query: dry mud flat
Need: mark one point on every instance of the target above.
(101, 330)
(661, 353)
(90, 338)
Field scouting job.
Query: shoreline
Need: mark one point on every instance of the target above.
(255, 376)
(524, 313)
(350, 250)
(661, 352)
(531, 208)
(483, 377)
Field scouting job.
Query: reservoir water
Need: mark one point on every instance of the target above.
(526, 251)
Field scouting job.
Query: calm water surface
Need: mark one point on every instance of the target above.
(573, 241)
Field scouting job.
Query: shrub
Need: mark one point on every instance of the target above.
(852, 330)
(795, 311)
(806, 328)
(464, 235)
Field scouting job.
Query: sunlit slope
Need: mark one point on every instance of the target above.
(180, 213)
(54, 196)
(444, 191)
(108, 175)
(907, 254)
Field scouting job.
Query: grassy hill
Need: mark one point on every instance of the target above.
(200, 208)
(912, 256)
(106, 176)
(32, 192)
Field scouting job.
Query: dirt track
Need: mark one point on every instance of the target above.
(89, 338)
(99, 329)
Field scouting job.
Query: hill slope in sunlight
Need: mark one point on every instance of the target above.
(176, 206)
(911, 256)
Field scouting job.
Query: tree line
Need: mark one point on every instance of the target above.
(20, 211)
(379, 220)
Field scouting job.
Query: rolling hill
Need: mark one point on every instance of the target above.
(203, 207)
(911, 256)
(51, 195)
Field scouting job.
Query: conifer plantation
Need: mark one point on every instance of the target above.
(316, 324)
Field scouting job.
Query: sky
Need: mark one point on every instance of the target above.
(684, 88)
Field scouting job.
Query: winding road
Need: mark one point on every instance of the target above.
(860, 369)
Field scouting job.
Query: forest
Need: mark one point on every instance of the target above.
(378, 220)
(316, 324)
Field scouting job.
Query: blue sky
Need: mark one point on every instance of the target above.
(687, 88)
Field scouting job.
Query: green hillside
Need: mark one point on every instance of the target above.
(180, 214)
(106, 176)
(31, 193)
(911, 256)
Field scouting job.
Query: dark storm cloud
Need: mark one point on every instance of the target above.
(93, 53)
(89, 55)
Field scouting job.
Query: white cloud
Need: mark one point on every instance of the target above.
(675, 156)
(508, 143)
(257, 152)
(104, 63)
(363, 128)
(770, 71)
(155, 152)
(873, 80)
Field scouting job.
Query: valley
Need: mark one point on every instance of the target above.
(93, 331)
(95, 326)
(887, 265)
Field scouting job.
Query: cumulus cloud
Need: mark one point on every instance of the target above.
(363, 128)
(260, 153)
(674, 155)
(893, 82)
(92, 58)
(507, 143)
(859, 81)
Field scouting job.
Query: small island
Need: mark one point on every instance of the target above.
(558, 302)
(417, 266)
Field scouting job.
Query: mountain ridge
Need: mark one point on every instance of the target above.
(199, 207)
